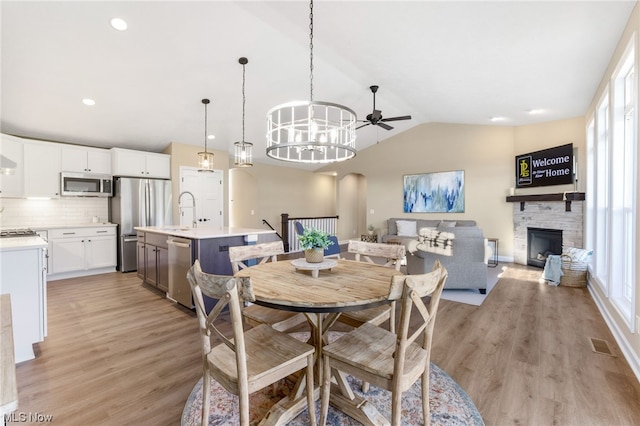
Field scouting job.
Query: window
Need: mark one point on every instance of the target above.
(611, 182)
(601, 196)
(589, 234)
(623, 182)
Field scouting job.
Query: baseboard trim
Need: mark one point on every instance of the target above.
(84, 273)
(625, 347)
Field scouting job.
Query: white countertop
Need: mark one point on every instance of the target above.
(21, 243)
(82, 225)
(204, 232)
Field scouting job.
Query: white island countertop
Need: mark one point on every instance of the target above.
(204, 232)
(22, 243)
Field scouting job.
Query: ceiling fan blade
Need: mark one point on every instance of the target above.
(403, 117)
(359, 127)
(384, 126)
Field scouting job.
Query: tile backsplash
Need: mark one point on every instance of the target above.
(18, 213)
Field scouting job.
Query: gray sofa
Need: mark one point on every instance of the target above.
(467, 266)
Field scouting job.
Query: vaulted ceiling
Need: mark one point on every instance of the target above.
(439, 61)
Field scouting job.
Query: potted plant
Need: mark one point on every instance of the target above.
(371, 228)
(313, 242)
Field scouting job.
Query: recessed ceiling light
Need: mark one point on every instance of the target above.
(497, 119)
(88, 102)
(536, 111)
(211, 137)
(119, 24)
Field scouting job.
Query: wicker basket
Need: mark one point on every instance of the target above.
(575, 272)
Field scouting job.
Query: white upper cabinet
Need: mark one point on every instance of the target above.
(41, 169)
(12, 164)
(128, 162)
(85, 160)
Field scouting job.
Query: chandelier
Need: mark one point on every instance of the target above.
(311, 131)
(205, 158)
(243, 149)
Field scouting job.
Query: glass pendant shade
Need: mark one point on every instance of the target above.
(205, 161)
(243, 149)
(205, 158)
(311, 132)
(243, 154)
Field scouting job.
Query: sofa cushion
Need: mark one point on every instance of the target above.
(392, 228)
(447, 224)
(406, 228)
(465, 232)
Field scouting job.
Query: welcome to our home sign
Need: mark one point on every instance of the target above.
(553, 166)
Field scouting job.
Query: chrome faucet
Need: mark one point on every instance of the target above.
(195, 224)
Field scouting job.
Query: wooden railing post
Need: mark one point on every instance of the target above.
(285, 231)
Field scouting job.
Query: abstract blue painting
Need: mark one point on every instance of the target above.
(441, 192)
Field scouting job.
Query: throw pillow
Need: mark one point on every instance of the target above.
(406, 228)
(435, 241)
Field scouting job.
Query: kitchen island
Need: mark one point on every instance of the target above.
(23, 276)
(166, 253)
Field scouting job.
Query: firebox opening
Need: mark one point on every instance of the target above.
(542, 243)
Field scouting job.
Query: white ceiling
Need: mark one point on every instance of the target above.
(440, 61)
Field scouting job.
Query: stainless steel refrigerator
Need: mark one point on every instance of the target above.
(138, 202)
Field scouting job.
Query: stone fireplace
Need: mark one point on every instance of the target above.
(564, 212)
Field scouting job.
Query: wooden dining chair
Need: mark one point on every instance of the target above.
(332, 251)
(246, 361)
(391, 255)
(392, 361)
(240, 257)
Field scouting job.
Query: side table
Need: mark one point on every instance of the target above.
(493, 262)
(369, 238)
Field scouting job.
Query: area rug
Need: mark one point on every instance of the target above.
(449, 403)
(473, 296)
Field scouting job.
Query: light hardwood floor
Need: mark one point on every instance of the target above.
(118, 353)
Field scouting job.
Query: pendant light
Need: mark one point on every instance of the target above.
(244, 149)
(311, 131)
(205, 158)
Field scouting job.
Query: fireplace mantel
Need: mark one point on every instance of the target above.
(567, 197)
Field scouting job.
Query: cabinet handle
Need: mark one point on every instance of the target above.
(68, 233)
(101, 232)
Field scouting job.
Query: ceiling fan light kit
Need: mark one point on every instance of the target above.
(376, 119)
(311, 131)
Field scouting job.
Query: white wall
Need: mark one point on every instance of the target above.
(268, 191)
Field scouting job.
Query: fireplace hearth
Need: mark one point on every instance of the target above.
(541, 243)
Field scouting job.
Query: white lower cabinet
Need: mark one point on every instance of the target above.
(22, 276)
(82, 250)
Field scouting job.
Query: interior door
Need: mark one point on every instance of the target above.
(207, 191)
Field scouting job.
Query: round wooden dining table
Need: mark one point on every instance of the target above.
(347, 286)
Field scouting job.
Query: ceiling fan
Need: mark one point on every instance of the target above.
(376, 119)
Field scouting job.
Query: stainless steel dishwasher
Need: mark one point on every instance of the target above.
(180, 260)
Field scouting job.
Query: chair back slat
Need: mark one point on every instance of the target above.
(415, 288)
(225, 290)
(263, 252)
(364, 251)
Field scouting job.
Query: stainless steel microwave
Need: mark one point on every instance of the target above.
(85, 185)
